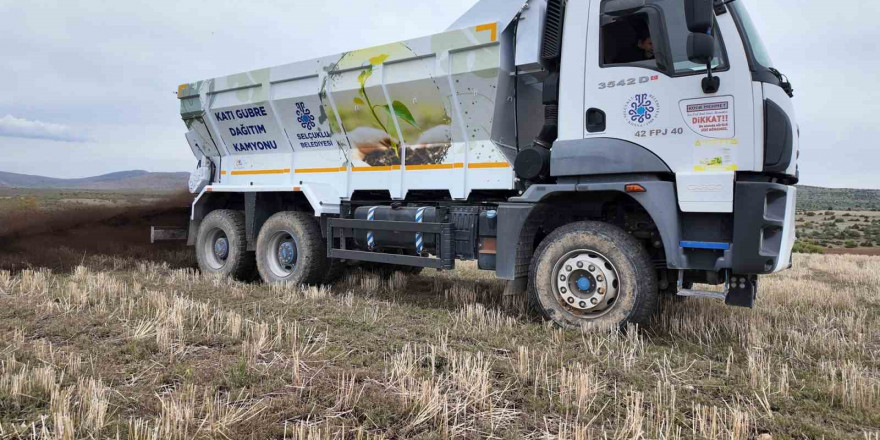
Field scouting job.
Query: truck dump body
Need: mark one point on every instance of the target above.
(413, 115)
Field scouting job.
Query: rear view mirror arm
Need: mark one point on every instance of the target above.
(711, 83)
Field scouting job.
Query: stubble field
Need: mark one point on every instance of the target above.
(123, 340)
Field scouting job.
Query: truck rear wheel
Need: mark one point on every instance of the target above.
(221, 246)
(290, 249)
(593, 275)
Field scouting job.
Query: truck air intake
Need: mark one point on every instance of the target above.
(533, 163)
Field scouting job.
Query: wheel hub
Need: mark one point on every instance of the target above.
(281, 254)
(586, 281)
(286, 253)
(583, 284)
(221, 248)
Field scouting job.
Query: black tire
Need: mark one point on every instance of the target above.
(309, 264)
(236, 261)
(635, 297)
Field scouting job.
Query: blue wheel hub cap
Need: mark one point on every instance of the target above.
(221, 248)
(583, 284)
(286, 253)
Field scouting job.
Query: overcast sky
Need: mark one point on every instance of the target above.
(87, 87)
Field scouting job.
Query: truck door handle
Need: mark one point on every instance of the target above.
(595, 120)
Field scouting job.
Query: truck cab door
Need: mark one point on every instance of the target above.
(640, 87)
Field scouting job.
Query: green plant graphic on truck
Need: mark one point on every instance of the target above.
(377, 129)
(397, 108)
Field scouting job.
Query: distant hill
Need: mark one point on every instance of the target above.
(810, 198)
(124, 180)
(814, 198)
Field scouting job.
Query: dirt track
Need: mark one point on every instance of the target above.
(856, 251)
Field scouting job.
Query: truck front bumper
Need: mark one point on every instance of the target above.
(763, 227)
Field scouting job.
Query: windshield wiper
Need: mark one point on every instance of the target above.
(783, 82)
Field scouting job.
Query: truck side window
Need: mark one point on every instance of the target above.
(653, 36)
(628, 40)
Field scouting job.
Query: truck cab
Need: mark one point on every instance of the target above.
(598, 154)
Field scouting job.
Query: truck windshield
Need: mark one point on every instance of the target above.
(752, 38)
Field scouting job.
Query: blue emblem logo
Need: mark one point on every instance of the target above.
(304, 116)
(642, 109)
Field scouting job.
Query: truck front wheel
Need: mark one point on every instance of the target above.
(593, 275)
(290, 249)
(221, 246)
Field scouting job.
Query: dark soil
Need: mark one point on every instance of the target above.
(381, 158)
(61, 238)
(414, 156)
(426, 155)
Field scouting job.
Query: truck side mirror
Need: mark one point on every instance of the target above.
(701, 48)
(699, 15)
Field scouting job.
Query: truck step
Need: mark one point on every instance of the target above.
(702, 294)
(739, 290)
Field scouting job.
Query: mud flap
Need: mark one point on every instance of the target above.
(742, 291)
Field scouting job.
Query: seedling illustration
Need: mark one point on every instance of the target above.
(397, 108)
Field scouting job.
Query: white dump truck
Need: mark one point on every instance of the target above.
(598, 153)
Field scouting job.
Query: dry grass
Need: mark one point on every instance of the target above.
(136, 349)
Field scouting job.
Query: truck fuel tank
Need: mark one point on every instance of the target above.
(408, 241)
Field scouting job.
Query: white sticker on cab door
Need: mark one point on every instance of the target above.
(710, 117)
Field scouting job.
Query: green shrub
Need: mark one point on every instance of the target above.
(801, 247)
(850, 244)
